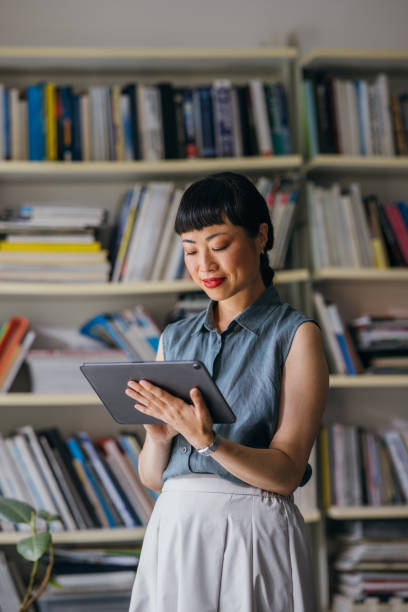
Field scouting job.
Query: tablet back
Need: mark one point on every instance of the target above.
(109, 381)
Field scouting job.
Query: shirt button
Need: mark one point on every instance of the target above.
(184, 449)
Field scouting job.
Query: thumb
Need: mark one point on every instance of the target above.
(197, 399)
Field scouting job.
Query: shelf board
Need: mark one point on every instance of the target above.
(356, 59)
(311, 516)
(367, 512)
(49, 399)
(83, 536)
(108, 170)
(141, 58)
(354, 164)
(368, 381)
(106, 536)
(361, 274)
(44, 290)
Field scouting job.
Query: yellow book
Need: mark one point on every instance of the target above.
(50, 248)
(380, 256)
(325, 464)
(51, 121)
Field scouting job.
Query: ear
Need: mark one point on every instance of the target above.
(262, 237)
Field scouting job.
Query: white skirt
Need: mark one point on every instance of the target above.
(215, 546)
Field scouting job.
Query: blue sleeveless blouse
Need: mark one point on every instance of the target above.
(246, 362)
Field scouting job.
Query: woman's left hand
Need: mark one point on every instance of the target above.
(193, 421)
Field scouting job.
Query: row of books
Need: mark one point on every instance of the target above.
(370, 343)
(354, 117)
(351, 231)
(139, 121)
(52, 355)
(362, 466)
(53, 243)
(87, 483)
(147, 248)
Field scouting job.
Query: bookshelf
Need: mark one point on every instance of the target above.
(364, 400)
(104, 182)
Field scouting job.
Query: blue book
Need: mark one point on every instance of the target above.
(206, 114)
(36, 122)
(77, 454)
(311, 118)
(6, 124)
(101, 329)
(360, 117)
(403, 208)
(67, 122)
(284, 118)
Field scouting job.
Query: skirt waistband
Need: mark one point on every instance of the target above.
(211, 483)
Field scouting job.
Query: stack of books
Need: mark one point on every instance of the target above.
(53, 243)
(370, 565)
(354, 117)
(348, 230)
(139, 121)
(87, 483)
(382, 342)
(362, 466)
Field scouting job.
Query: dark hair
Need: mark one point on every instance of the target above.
(206, 201)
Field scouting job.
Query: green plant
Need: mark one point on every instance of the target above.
(33, 547)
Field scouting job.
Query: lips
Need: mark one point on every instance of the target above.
(213, 282)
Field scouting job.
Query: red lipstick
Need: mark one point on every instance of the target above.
(213, 282)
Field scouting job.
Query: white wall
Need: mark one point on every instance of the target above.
(358, 23)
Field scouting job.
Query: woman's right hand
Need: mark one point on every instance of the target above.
(160, 432)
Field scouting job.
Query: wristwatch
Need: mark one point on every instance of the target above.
(208, 450)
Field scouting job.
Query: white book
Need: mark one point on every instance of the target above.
(23, 130)
(25, 345)
(51, 238)
(99, 579)
(40, 491)
(21, 479)
(329, 224)
(381, 85)
(339, 464)
(399, 456)
(362, 229)
(334, 352)
(48, 477)
(312, 226)
(374, 102)
(96, 124)
(14, 123)
(351, 234)
(10, 600)
(146, 235)
(262, 128)
(150, 121)
(175, 255)
(2, 133)
(84, 104)
(106, 479)
(166, 237)
(319, 217)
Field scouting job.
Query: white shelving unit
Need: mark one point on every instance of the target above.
(360, 400)
(102, 184)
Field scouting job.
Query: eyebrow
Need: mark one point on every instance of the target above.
(208, 237)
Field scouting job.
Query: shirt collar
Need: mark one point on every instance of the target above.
(251, 318)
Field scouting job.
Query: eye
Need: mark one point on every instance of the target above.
(220, 248)
(189, 253)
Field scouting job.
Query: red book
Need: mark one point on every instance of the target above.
(15, 333)
(398, 227)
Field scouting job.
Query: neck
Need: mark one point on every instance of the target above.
(226, 310)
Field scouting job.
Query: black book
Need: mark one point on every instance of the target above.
(325, 121)
(248, 135)
(364, 493)
(76, 128)
(178, 106)
(391, 244)
(169, 120)
(57, 443)
(130, 90)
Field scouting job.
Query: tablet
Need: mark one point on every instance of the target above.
(109, 381)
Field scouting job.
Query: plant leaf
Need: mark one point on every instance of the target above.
(47, 516)
(54, 582)
(34, 547)
(15, 511)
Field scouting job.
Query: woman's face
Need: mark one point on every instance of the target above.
(222, 259)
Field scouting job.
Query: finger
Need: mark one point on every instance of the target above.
(135, 395)
(155, 391)
(199, 403)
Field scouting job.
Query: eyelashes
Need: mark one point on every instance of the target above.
(194, 252)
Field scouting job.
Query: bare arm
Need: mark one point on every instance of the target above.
(155, 453)
(303, 397)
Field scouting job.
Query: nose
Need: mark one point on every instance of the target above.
(206, 261)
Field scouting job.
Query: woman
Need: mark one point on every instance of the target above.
(225, 534)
